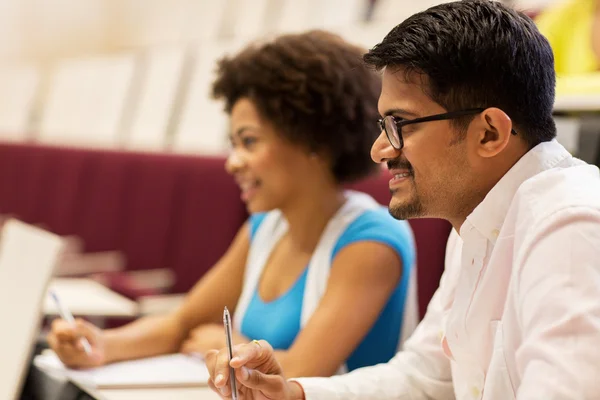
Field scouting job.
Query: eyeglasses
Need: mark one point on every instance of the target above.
(393, 127)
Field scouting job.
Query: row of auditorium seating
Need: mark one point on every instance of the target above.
(158, 97)
(158, 210)
(150, 97)
(131, 99)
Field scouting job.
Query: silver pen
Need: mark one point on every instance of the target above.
(229, 340)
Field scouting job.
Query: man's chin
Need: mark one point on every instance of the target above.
(405, 210)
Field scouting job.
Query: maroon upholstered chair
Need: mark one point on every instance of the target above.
(158, 210)
(22, 176)
(151, 197)
(207, 215)
(103, 198)
(58, 204)
(9, 176)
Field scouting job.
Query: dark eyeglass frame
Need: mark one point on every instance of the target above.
(397, 142)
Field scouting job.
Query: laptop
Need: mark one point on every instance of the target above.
(28, 256)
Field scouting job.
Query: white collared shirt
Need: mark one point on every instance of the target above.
(517, 313)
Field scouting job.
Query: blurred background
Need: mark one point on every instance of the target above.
(136, 74)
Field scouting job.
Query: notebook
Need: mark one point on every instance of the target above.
(173, 370)
(28, 256)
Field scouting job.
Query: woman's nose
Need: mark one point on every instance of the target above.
(234, 162)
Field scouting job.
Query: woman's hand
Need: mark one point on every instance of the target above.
(65, 340)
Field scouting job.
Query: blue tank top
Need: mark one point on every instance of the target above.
(278, 321)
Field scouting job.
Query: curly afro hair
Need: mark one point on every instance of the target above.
(315, 89)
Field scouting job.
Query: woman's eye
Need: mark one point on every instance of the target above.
(248, 141)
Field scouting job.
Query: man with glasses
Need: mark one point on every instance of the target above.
(468, 134)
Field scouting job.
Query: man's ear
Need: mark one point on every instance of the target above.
(493, 132)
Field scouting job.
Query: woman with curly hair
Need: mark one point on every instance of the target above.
(316, 269)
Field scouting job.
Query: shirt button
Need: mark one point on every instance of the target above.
(495, 233)
(475, 391)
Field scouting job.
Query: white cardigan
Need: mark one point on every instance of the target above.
(271, 230)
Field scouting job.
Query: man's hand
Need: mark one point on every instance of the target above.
(258, 374)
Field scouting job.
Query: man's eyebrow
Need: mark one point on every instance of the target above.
(400, 112)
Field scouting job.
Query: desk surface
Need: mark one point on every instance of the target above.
(86, 297)
(158, 394)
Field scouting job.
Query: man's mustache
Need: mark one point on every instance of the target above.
(399, 164)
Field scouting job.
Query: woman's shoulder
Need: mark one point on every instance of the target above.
(379, 226)
(378, 220)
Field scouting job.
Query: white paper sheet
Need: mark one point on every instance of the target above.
(173, 370)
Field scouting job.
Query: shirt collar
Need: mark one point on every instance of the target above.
(489, 215)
